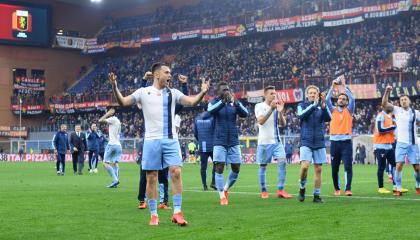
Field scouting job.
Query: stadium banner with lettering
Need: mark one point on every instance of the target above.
(92, 46)
(184, 35)
(27, 109)
(70, 42)
(130, 44)
(363, 91)
(225, 31)
(45, 157)
(280, 24)
(288, 96)
(409, 87)
(37, 84)
(400, 59)
(385, 10)
(345, 21)
(78, 107)
(7, 131)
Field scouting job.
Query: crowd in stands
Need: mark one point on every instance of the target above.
(210, 13)
(360, 51)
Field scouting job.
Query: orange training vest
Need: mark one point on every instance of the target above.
(341, 122)
(384, 138)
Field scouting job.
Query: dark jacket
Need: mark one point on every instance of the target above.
(93, 141)
(312, 118)
(288, 148)
(78, 142)
(226, 132)
(61, 142)
(103, 141)
(203, 131)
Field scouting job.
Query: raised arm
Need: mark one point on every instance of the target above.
(304, 113)
(262, 118)
(194, 100)
(280, 112)
(215, 106)
(106, 115)
(385, 102)
(352, 102)
(380, 125)
(122, 101)
(328, 98)
(241, 110)
(184, 89)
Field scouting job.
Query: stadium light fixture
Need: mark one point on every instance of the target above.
(96, 1)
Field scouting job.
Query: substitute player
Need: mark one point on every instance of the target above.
(113, 150)
(340, 136)
(161, 147)
(270, 117)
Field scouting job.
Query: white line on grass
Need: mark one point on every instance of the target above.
(327, 196)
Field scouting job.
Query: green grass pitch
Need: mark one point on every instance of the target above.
(37, 204)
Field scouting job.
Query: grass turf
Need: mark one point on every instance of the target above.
(37, 204)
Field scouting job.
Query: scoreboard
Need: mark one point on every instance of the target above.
(25, 24)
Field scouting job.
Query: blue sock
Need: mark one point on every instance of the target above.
(111, 172)
(261, 174)
(302, 183)
(220, 179)
(417, 177)
(317, 191)
(282, 175)
(177, 201)
(116, 170)
(398, 179)
(153, 206)
(161, 192)
(231, 180)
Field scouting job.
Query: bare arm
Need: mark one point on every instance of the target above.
(385, 98)
(262, 119)
(122, 101)
(280, 111)
(107, 115)
(194, 100)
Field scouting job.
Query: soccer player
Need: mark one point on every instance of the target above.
(113, 150)
(340, 136)
(406, 118)
(312, 114)
(224, 108)
(61, 146)
(93, 147)
(161, 147)
(383, 138)
(203, 133)
(270, 117)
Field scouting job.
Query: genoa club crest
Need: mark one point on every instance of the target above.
(22, 21)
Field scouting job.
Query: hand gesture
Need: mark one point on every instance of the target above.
(273, 104)
(280, 105)
(323, 97)
(388, 88)
(182, 78)
(232, 97)
(75, 149)
(205, 85)
(111, 111)
(112, 78)
(148, 75)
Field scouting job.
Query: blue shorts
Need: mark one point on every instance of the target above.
(227, 155)
(161, 153)
(316, 156)
(266, 152)
(411, 150)
(112, 153)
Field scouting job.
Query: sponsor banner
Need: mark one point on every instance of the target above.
(23, 89)
(400, 59)
(130, 44)
(288, 23)
(410, 88)
(25, 82)
(225, 31)
(83, 107)
(185, 35)
(28, 109)
(44, 157)
(7, 131)
(291, 95)
(343, 22)
(70, 42)
(385, 10)
(150, 40)
(343, 13)
(363, 91)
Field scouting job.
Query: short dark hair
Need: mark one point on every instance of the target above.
(404, 95)
(270, 87)
(344, 95)
(221, 83)
(157, 66)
